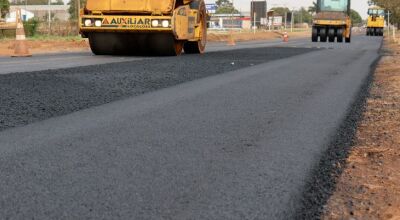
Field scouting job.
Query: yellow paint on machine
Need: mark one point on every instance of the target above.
(125, 23)
(140, 6)
(378, 22)
(329, 22)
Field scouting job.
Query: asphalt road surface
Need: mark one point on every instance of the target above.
(232, 134)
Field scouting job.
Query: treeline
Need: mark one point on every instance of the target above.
(304, 15)
(73, 10)
(394, 8)
(36, 2)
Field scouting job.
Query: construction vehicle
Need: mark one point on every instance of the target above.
(332, 21)
(144, 27)
(376, 21)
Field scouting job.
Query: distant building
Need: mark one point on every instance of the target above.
(26, 15)
(224, 21)
(59, 12)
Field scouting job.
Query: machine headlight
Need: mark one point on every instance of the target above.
(155, 23)
(98, 23)
(165, 23)
(88, 22)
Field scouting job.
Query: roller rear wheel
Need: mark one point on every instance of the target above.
(331, 35)
(322, 35)
(339, 35)
(348, 39)
(380, 31)
(314, 36)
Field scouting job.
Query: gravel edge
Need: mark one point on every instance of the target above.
(324, 176)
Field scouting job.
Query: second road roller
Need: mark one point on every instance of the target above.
(332, 21)
(376, 21)
(144, 27)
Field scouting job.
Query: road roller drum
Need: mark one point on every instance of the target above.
(150, 27)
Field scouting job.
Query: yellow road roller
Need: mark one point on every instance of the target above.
(376, 21)
(332, 21)
(144, 27)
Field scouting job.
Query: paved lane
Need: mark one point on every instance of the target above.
(237, 145)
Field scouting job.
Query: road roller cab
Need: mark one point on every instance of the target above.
(144, 27)
(376, 21)
(332, 21)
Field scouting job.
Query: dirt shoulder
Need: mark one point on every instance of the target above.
(369, 187)
(46, 46)
(248, 36)
(40, 46)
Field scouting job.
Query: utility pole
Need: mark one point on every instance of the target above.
(49, 17)
(233, 9)
(255, 20)
(254, 17)
(292, 21)
(78, 6)
(388, 23)
(26, 9)
(285, 20)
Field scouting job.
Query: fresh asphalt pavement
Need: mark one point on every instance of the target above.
(239, 144)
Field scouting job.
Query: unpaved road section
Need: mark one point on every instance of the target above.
(235, 143)
(369, 187)
(45, 46)
(76, 59)
(34, 96)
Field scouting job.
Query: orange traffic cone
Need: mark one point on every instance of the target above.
(21, 48)
(285, 37)
(231, 40)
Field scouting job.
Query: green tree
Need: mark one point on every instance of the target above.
(227, 10)
(223, 3)
(355, 17)
(280, 11)
(313, 8)
(4, 8)
(73, 10)
(303, 16)
(393, 6)
(225, 7)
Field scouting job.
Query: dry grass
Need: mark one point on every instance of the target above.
(249, 36)
(38, 46)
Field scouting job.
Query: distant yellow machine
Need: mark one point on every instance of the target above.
(144, 27)
(332, 21)
(376, 21)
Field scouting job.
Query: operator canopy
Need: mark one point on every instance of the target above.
(333, 5)
(376, 11)
(137, 6)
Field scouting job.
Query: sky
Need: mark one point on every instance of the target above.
(360, 6)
